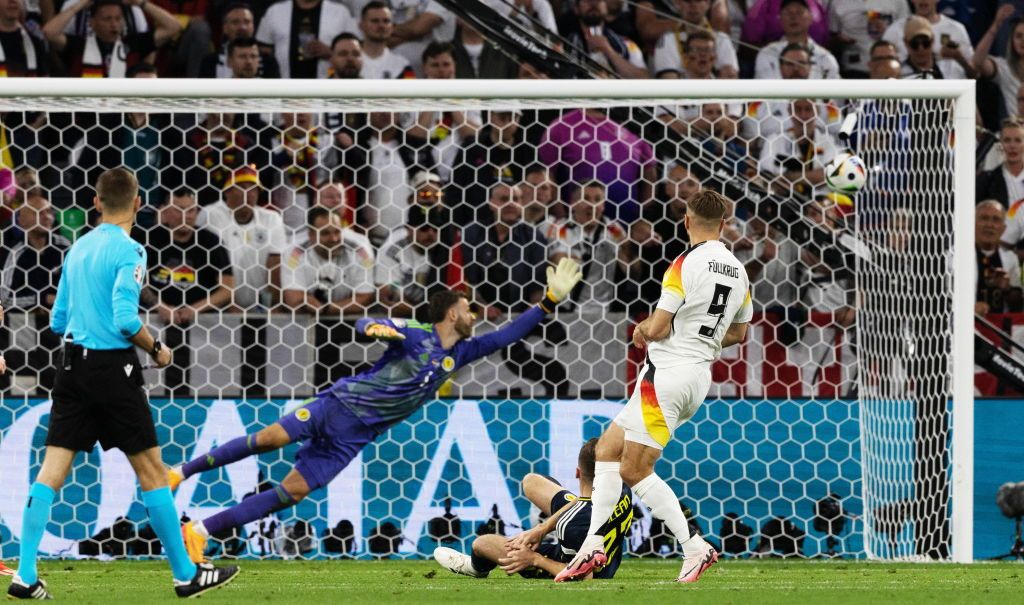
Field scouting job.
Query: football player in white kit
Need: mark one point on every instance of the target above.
(704, 306)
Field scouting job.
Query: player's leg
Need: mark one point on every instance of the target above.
(267, 439)
(541, 491)
(333, 436)
(163, 515)
(485, 552)
(56, 466)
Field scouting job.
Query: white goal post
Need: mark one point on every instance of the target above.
(269, 96)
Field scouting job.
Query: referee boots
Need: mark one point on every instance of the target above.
(21, 590)
(207, 578)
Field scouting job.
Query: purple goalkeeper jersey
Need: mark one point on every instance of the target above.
(583, 147)
(410, 371)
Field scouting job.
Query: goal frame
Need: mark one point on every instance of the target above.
(275, 97)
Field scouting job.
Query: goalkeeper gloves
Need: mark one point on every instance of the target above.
(562, 280)
(382, 332)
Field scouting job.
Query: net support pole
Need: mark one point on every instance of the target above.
(962, 491)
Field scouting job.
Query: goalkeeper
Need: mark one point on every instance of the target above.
(352, 412)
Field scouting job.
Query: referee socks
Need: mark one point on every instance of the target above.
(33, 524)
(163, 518)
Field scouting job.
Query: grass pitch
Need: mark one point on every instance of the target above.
(638, 581)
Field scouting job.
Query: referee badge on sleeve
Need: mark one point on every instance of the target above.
(140, 275)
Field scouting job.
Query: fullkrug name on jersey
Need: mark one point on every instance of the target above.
(723, 269)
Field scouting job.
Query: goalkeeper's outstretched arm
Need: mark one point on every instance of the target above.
(561, 282)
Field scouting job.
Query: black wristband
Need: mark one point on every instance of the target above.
(548, 304)
(157, 347)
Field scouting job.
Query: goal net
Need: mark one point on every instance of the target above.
(275, 218)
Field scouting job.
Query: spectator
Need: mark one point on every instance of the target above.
(772, 263)
(387, 182)
(765, 118)
(494, 154)
(636, 274)
(418, 23)
(592, 240)
(298, 31)
(253, 236)
(505, 263)
(222, 143)
(193, 43)
(540, 196)
(31, 268)
(94, 55)
(999, 277)
(666, 213)
(189, 273)
(334, 274)
(585, 144)
(333, 196)
(921, 61)
(796, 18)
(827, 289)
(379, 62)
(81, 24)
(855, 30)
(346, 57)
(236, 22)
(1005, 183)
(764, 22)
(884, 61)
(949, 39)
(296, 158)
(670, 55)
(244, 58)
(476, 58)
(1005, 71)
(436, 136)
(505, 257)
(405, 273)
(800, 153)
(585, 27)
(22, 53)
(28, 284)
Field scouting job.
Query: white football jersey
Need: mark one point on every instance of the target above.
(708, 290)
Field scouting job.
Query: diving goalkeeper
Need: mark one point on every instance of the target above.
(351, 413)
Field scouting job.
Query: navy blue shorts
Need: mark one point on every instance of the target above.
(332, 436)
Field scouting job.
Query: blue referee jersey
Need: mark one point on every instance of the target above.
(98, 296)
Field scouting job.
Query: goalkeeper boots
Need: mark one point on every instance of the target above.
(195, 543)
(174, 477)
(590, 558)
(207, 578)
(21, 590)
(695, 566)
(457, 562)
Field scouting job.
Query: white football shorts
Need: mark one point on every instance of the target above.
(662, 400)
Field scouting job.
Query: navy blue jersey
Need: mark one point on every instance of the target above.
(573, 526)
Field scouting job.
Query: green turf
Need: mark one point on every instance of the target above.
(638, 581)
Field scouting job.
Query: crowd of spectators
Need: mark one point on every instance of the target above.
(353, 213)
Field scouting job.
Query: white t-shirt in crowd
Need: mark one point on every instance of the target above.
(945, 30)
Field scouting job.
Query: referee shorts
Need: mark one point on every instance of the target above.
(99, 396)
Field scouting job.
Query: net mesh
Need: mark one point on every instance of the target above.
(841, 366)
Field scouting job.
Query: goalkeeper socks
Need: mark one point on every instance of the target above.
(480, 564)
(607, 489)
(163, 518)
(232, 451)
(249, 510)
(33, 524)
(664, 505)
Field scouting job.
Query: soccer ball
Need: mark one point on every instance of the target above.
(846, 173)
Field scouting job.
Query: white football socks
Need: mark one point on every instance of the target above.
(658, 497)
(607, 488)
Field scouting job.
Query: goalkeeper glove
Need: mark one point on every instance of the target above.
(562, 280)
(382, 332)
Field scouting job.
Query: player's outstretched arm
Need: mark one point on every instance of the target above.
(561, 281)
(735, 334)
(379, 329)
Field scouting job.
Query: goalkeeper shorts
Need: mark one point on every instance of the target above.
(662, 400)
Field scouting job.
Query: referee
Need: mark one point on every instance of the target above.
(98, 393)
